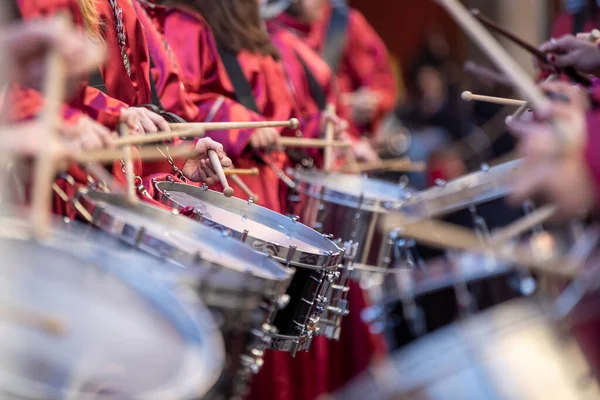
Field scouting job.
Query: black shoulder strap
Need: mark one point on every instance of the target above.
(316, 91)
(243, 92)
(153, 92)
(336, 36)
(97, 81)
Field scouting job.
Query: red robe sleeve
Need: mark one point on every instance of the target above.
(193, 44)
(367, 64)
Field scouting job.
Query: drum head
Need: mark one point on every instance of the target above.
(351, 190)
(124, 334)
(471, 189)
(510, 352)
(184, 240)
(266, 230)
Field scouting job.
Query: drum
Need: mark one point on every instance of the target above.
(431, 288)
(514, 351)
(79, 320)
(348, 207)
(244, 289)
(411, 302)
(314, 257)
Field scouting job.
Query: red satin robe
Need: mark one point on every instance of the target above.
(209, 86)
(124, 87)
(365, 60)
(334, 363)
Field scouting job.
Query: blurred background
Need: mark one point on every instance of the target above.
(429, 51)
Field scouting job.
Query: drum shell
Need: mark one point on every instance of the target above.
(297, 322)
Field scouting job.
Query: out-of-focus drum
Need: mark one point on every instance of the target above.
(514, 351)
(119, 333)
(348, 207)
(314, 257)
(243, 288)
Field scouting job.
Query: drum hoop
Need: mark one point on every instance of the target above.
(366, 202)
(300, 258)
(202, 372)
(147, 241)
(472, 189)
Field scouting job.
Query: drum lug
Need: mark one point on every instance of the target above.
(250, 201)
(328, 236)
(295, 218)
(204, 186)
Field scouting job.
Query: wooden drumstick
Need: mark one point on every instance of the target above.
(329, 136)
(497, 53)
(130, 193)
(522, 82)
(522, 225)
(313, 143)
(45, 167)
(49, 325)
(569, 71)
(444, 235)
(215, 126)
(468, 96)
(247, 191)
(241, 172)
(403, 164)
(144, 153)
(216, 163)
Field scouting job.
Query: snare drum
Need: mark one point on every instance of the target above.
(348, 207)
(514, 351)
(244, 289)
(314, 257)
(116, 332)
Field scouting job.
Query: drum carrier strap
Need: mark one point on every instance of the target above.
(245, 96)
(336, 35)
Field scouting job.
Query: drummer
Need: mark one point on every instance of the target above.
(125, 78)
(26, 46)
(361, 63)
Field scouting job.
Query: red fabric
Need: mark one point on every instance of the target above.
(294, 52)
(209, 86)
(365, 62)
(98, 106)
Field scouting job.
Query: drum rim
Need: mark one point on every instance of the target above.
(270, 280)
(205, 350)
(363, 202)
(471, 189)
(300, 258)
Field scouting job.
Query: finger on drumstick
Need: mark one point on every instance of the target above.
(216, 163)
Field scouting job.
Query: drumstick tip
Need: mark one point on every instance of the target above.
(228, 192)
(294, 123)
(466, 95)
(475, 12)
